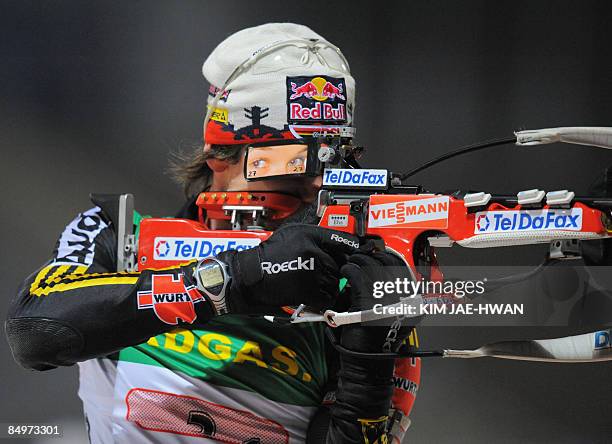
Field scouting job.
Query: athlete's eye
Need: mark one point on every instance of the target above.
(296, 164)
(258, 163)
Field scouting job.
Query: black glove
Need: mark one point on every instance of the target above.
(298, 264)
(365, 385)
(362, 269)
(596, 252)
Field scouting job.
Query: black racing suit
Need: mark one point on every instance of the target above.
(139, 374)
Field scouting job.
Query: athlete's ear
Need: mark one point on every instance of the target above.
(217, 165)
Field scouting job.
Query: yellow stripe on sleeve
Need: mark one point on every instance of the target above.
(58, 281)
(41, 274)
(60, 270)
(48, 276)
(96, 281)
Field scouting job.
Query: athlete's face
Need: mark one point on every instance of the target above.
(289, 159)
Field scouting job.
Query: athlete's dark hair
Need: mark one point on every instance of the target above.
(189, 169)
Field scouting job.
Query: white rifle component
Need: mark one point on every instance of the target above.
(580, 135)
(570, 349)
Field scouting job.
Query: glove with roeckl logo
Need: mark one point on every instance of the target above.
(298, 264)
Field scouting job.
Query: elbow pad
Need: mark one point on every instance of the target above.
(43, 344)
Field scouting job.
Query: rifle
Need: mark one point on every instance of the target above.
(412, 222)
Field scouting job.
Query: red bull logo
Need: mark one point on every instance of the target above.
(308, 90)
(319, 112)
(170, 299)
(318, 89)
(316, 99)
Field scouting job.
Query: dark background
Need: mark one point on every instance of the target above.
(93, 96)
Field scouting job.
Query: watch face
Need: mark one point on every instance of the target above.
(211, 275)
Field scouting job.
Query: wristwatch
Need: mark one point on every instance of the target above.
(212, 279)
